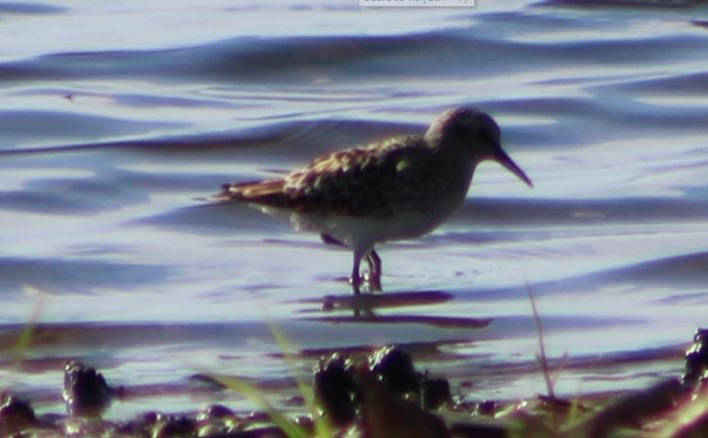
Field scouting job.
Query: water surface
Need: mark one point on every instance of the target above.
(118, 119)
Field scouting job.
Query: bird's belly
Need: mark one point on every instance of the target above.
(365, 231)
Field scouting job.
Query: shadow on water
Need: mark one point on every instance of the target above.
(363, 309)
(377, 301)
(364, 317)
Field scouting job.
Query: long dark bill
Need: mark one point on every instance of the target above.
(506, 161)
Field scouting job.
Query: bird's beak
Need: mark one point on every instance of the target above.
(502, 158)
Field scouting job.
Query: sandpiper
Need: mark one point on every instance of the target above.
(401, 188)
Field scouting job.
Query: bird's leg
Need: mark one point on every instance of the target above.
(355, 279)
(374, 262)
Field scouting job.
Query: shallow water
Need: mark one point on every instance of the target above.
(118, 119)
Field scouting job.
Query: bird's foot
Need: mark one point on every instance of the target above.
(374, 274)
(374, 282)
(355, 281)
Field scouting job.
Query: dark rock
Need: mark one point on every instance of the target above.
(262, 432)
(140, 426)
(336, 389)
(395, 368)
(216, 412)
(85, 390)
(487, 408)
(435, 392)
(15, 415)
(696, 361)
(172, 426)
(386, 414)
(472, 430)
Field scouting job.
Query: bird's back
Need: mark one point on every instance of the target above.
(363, 181)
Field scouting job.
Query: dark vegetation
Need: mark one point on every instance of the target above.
(382, 394)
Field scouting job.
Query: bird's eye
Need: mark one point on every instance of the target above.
(484, 134)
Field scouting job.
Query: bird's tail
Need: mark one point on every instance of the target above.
(267, 192)
(224, 194)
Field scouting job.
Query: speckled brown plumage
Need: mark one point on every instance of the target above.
(377, 180)
(400, 188)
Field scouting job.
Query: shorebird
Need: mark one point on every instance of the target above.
(400, 188)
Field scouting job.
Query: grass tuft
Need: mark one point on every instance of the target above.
(25, 339)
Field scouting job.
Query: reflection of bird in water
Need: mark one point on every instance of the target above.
(401, 188)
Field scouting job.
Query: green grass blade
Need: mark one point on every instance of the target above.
(322, 426)
(254, 393)
(25, 339)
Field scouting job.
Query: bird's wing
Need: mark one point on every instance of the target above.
(353, 182)
(361, 181)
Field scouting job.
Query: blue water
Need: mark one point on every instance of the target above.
(117, 119)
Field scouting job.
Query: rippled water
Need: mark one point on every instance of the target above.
(117, 119)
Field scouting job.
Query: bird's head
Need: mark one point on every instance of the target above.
(476, 134)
